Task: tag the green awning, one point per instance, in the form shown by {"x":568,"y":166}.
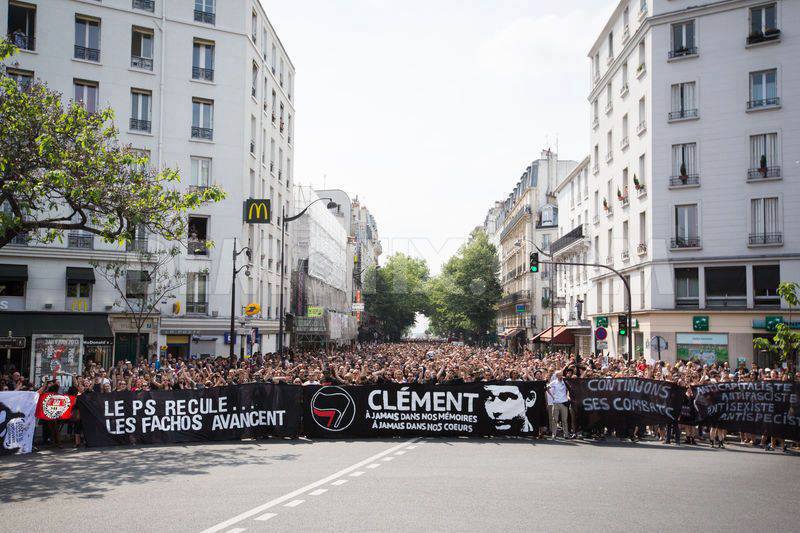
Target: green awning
{"x":80,"y":275}
{"x":13,"y":272}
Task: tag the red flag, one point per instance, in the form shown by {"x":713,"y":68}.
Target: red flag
{"x":55,"y":406}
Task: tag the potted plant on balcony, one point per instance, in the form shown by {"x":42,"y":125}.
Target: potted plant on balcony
{"x":683,"y":177}
{"x":755,"y":36}
{"x":762,"y":165}
{"x":605,"y":205}
{"x":637,"y":184}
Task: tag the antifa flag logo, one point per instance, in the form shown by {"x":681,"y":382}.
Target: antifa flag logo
{"x":333,"y":409}
{"x":55,"y":406}
{"x":12,"y":429}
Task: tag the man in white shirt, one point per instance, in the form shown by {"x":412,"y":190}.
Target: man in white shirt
{"x":558,"y":398}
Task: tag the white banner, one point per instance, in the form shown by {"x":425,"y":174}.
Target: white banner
{"x":17,"y":421}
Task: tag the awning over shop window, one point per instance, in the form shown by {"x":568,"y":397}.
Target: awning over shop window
{"x":562,"y":336}
{"x":80,"y":275}
{"x":13,"y":272}
{"x":26,"y":323}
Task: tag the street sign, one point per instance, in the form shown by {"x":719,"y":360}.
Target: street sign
{"x":252,"y":309}
{"x":772,"y":322}
{"x":358,"y":306}
{"x":521,"y":309}
{"x":700,"y":323}
{"x":600,"y":333}
{"x":16,"y":343}
{"x":601,"y":321}
{"x":314,"y":311}
{"x":601,"y":345}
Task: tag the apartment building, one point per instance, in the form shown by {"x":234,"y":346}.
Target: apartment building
{"x":528,"y":218}
{"x":204,"y":86}
{"x":693,"y":175}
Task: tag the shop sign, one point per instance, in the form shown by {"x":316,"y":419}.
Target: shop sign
{"x":700,"y":323}
{"x":601,"y":321}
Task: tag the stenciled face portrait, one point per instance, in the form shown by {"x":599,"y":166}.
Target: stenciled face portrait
{"x":507,"y":408}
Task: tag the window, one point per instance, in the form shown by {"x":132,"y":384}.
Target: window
{"x":22,"y":26}
{"x":147,"y":5}
{"x":683,"y":39}
{"x":253,"y":128}
{"x":196,"y":292}
{"x":625,"y":130}
{"x":625,"y":240}
{"x":626,"y":17}
{"x":204,"y":11}
{"x":684,"y":165}
{"x":609,"y":98}
{"x":686,"y":227}
{"x":726,"y":286}
{"x":641,"y":68}
{"x":290,"y":86}
{"x":687,"y":287}
{"x":599,"y":301}
{"x":198,"y":235}
{"x":642,"y":170}
{"x":136,"y":284}
{"x":596,"y":66}
{"x":280,"y":163}
{"x":274,"y":58}
{"x":611,"y":45}
{"x":264,"y":46}
{"x":642,"y":230}
{"x":610,"y":249}
{"x":142,"y":49}
{"x":202,"y":119}
{"x":280,"y":74}
{"x":642,"y":115}
{"x":684,"y":104}
{"x":763,"y":24}
{"x":87,"y":39}
{"x":289,"y":128}
{"x":80,"y":239}
{"x":24,"y":78}
{"x":596,"y":111}
{"x":141,"y":107}
{"x":86,"y":94}
{"x":253,"y":25}
{"x":254,"y":82}
{"x":272,"y":155}
{"x":609,"y":145}
{"x":765,"y":285}
{"x":203,"y":60}
{"x":765,"y":227}
{"x":201,"y":172}
{"x":763,"y":89}
{"x":624,"y":77}
{"x":281,"y":117}
{"x":76,"y":289}
{"x":764,"y":162}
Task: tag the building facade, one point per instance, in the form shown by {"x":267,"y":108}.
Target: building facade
{"x":203,"y":86}
{"x":693,"y":178}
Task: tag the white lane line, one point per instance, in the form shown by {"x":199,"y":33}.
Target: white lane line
{"x":401,"y":452}
{"x":236,"y":530}
{"x":410,"y":447}
{"x":293,"y":503}
{"x":340,"y":482}
{"x":318,"y":492}
{"x":374,"y":465}
{"x":277,"y":501}
{"x":357,"y":473}
{"x":266,"y":516}
{"x":388,"y":458}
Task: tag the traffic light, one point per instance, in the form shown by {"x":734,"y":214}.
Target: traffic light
{"x":534,"y":262}
{"x":622,"y":325}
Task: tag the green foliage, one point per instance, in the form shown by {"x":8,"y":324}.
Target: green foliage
{"x":463,"y":298}
{"x":63,"y":168}
{"x":786,"y":342}
{"x":395,"y":293}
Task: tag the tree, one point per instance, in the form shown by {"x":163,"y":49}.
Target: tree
{"x":395,"y":293}
{"x":463,"y":298}
{"x":62,"y":168}
{"x":143,"y":283}
{"x":786,"y":342}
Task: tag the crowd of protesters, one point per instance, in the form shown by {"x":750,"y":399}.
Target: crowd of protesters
{"x":436,"y":363}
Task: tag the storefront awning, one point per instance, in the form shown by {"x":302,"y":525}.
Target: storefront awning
{"x":562,"y":336}
{"x":13,"y":272}
{"x":508,"y":332}
{"x":80,"y":275}
{"x":25,"y":324}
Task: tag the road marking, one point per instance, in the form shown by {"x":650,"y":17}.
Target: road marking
{"x":410,"y":447}
{"x":340,"y":482}
{"x":266,"y":516}
{"x":401,"y":452}
{"x":293,"y":503}
{"x":388,"y":458}
{"x":357,"y":473}
{"x":236,"y":530}
{"x":277,"y":501}
{"x":374,"y":465}
{"x":318,"y":492}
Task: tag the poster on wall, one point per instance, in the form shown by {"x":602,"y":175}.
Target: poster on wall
{"x":59,"y":355}
{"x":706,"y":348}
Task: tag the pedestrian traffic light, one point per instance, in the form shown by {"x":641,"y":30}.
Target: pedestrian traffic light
{"x":534,"y":262}
{"x":622,"y":325}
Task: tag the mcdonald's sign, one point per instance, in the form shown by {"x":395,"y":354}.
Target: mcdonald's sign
{"x":257,"y":211}
{"x":81,"y":306}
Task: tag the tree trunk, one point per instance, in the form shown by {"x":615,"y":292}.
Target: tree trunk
{"x":138,"y":343}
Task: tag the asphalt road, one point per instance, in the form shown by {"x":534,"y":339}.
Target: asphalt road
{"x":400,"y":485}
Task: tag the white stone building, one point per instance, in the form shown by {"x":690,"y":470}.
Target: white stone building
{"x":204,"y":86}
{"x":693,"y":183}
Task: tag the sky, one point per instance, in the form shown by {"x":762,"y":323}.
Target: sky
{"x":429,"y":111}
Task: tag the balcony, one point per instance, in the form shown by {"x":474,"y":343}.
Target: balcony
{"x":756,"y":174}
{"x":140,"y":125}
{"x":641,"y":249}
{"x":595,"y":123}
{"x":626,"y":34}
{"x":609,"y":156}
{"x":202,"y":133}
{"x":87,"y":54}
{"x":772,"y":35}
{"x":595,"y":219}
{"x":136,"y":245}
{"x":641,"y":191}
{"x":144,"y":63}
{"x":640,"y":70}
{"x":624,"y":90}
{"x":682,"y":52}
{"x":626,"y":255}
{"x":572,"y":236}
{"x":641,"y":128}
{"x":609,"y":261}
{"x":624,"y":143}
{"x":689,"y":180}
{"x":197,"y":247}
{"x":206,"y":17}
{"x":204,"y":74}
{"x":80,"y":241}
{"x":763,"y":103}
{"x":252,"y":147}
{"x":624,"y":200}
{"x":682,"y":114}
{"x":200,"y":308}
{"x":609,"y":107}
{"x":726,"y":301}
{"x":765,"y":239}
{"x":22,"y":41}
{"x":595,"y":168}
{"x":147,"y":5}
{"x":679,"y":243}
{"x":514,"y":297}
{"x":513,"y":221}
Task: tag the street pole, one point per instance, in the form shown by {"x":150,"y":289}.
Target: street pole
{"x":280,"y":308}
{"x":231,"y":333}
{"x":552,"y":310}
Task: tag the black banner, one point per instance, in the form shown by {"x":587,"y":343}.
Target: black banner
{"x":769,"y":408}
{"x":625,"y":402}
{"x":220,"y":413}
{"x":393,"y":409}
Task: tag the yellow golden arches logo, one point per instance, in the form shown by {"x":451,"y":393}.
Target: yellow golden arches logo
{"x":252,"y":309}
{"x":257,"y":211}
{"x":80,"y":305}
{"x":176,"y":308}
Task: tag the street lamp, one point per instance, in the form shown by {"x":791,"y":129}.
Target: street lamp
{"x":285,"y":220}
{"x":246,"y":268}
